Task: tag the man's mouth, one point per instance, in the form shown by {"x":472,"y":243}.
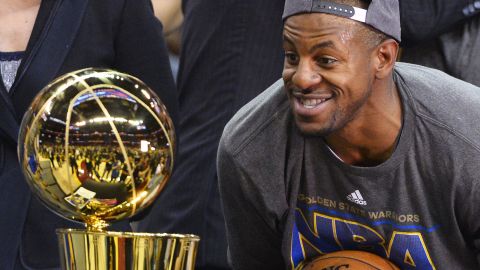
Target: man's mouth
{"x":310,"y":103}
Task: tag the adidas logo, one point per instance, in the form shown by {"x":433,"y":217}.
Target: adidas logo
{"x":357,"y":198}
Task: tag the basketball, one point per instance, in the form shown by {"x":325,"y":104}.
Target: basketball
{"x":351,"y":260}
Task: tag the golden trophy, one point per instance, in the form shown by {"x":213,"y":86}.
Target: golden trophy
{"x":97,"y":146}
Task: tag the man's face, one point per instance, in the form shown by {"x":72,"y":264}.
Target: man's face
{"x":328,"y":73}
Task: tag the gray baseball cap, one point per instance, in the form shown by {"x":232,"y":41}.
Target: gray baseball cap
{"x":383,"y":15}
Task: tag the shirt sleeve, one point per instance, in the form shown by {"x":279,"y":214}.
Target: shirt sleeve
{"x":475,"y":215}
{"x":468,"y":196}
{"x":423,"y":20}
{"x":252,"y":243}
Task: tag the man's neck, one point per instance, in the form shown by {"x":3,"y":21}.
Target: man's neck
{"x":371,"y":139}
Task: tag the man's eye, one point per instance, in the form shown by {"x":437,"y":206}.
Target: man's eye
{"x":291,"y":58}
{"x":326,"y":60}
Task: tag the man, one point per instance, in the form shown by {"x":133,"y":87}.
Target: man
{"x":352,"y":151}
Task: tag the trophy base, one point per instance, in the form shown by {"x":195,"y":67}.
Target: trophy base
{"x":85,"y":250}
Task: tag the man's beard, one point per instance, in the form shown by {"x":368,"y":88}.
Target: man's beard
{"x":338,"y":121}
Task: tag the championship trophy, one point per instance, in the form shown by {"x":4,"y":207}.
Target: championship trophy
{"x":96,"y":146}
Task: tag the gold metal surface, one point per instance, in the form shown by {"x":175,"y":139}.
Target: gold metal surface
{"x":122,"y":251}
{"x":96,"y":146}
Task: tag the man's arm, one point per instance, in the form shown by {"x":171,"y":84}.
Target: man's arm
{"x":475,"y":217}
{"x":468,"y":205}
{"x":426,"y":19}
{"x":252,"y":243}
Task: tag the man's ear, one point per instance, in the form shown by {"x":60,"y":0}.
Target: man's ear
{"x":385,"y":56}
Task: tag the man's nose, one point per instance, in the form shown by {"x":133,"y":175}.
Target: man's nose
{"x":305,"y":77}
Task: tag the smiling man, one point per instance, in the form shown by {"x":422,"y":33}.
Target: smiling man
{"x":352,"y":151}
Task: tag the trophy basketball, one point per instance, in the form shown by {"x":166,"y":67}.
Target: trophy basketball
{"x":96,"y":146}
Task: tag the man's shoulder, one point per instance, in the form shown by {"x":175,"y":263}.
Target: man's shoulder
{"x":436,"y":91}
{"x":440,"y":100}
{"x":432,"y":81}
{"x":265,"y":112}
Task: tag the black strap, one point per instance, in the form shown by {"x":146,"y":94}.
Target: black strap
{"x":333,"y":8}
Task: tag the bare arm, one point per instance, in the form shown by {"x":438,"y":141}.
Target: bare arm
{"x":169,"y":12}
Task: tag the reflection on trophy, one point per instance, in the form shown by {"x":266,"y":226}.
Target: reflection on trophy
{"x":96,"y":146}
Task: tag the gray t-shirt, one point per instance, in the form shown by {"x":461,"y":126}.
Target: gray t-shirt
{"x":288,"y":199}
